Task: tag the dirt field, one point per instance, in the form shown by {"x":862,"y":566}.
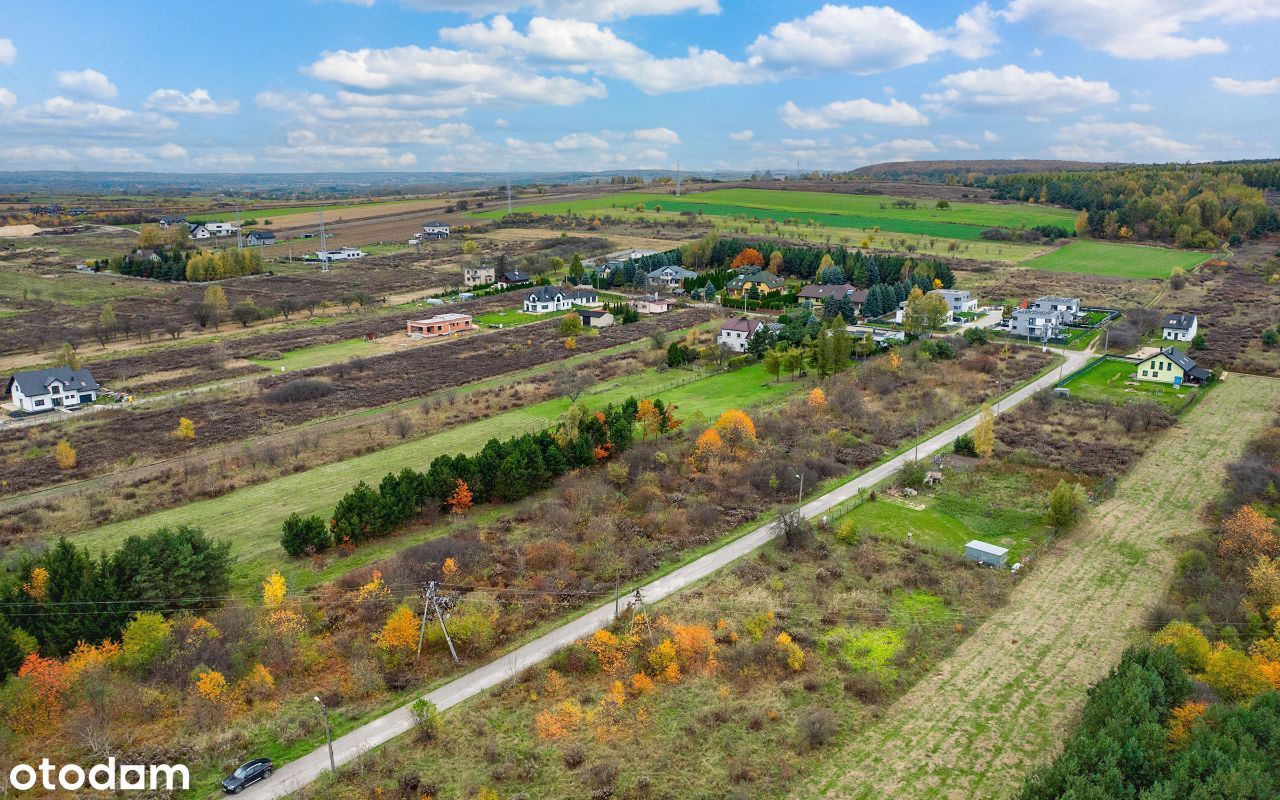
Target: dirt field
{"x":1005,"y":699}
{"x":996,"y":284}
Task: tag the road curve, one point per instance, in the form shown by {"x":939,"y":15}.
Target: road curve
{"x":297,"y":774}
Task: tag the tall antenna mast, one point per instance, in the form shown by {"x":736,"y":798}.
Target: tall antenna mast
{"x":677,"y":179}
{"x":324,"y":248}
{"x":239,"y":232}
{"x":508,"y":192}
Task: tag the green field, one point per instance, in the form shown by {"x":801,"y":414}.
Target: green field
{"x":1119,"y":260}
{"x":964,"y":221}
{"x":511,"y":317}
{"x":321,"y":354}
{"x":251,"y":517}
{"x":1109,"y":381}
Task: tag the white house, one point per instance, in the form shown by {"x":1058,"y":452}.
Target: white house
{"x":47,"y":389}
{"x":199,"y":231}
{"x":167,"y":221}
{"x":221,"y":228}
{"x":669,"y":277}
{"x":652,"y":305}
{"x":260,"y":238}
{"x":435,"y":230}
{"x":1180,"y":327}
{"x":545,"y":299}
{"x":1067,"y":307}
{"x":958,"y":300}
{"x":1036,"y":324}
{"x":735,"y":334}
{"x":345,"y":254}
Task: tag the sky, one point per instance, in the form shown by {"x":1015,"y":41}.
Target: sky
{"x":495,"y":85}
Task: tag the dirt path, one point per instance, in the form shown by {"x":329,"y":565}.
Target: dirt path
{"x":1006,"y":698}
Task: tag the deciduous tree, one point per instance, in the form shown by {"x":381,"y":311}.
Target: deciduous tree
{"x":64,"y":455}
{"x":186,"y":430}
{"x":460,"y":500}
{"x":984,"y":436}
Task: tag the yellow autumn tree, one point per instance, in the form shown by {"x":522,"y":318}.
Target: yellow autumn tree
{"x":817,"y":397}
{"x":1182,"y":718}
{"x":37,"y":587}
{"x":64,"y":455}
{"x":736,"y":429}
{"x":273,"y":590}
{"x":895,"y":362}
{"x":211,"y":685}
{"x":398,"y":638}
{"x":259,"y":682}
{"x":449,"y":569}
{"x":1235,"y":676}
{"x":984,"y":436}
{"x":707,"y":446}
{"x":186,"y":430}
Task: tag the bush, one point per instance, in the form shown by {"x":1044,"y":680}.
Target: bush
{"x":963,"y":446}
{"x":816,"y":727}
{"x":298,"y":391}
{"x":912,"y":474}
{"x":305,"y":535}
{"x":427,"y":722}
{"x":270,"y":355}
{"x":797,"y":532}
{"x":939,"y":349}
{"x":848,"y":533}
{"x":977,"y":336}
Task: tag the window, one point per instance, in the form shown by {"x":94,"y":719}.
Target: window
{"x":1144,"y":373}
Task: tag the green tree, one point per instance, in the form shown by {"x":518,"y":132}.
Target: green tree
{"x":570,"y":324}
{"x":792,"y":360}
{"x":11,"y":654}
{"x":143,"y":640}
{"x":1067,"y":502}
{"x":67,"y":357}
{"x":301,"y":535}
{"x":575,"y":267}
{"x":773,"y":363}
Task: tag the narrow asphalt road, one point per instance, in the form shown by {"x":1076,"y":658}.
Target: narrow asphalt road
{"x":297,"y":774}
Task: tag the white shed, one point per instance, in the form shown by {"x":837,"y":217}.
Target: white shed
{"x":985,"y":553}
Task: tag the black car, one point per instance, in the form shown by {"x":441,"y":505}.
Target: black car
{"x":247,"y":774}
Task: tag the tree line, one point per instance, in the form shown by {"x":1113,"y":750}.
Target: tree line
{"x":66,"y":596}
{"x":502,"y":471}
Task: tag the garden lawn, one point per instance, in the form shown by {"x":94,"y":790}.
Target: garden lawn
{"x":1110,"y":381}
{"x":1118,"y":260}
{"x":250,"y":518}
{"x":515,"y":316}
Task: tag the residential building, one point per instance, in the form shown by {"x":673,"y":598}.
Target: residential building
{"x":652,"y":305}
{"x":260,"y":238}
{"x":147,"y":254}
{"x":197,"y":230}
{"x":221,"y":228}
{"x":584,"y":297}
{"x":1067,"y":307}
{"x":670,"y":277}
{"x":735,"y":334}
{"x":435,"y":230}
{"x":1180,"y":327}
{"x":1171,"y":366}
{"x":958,"y":300}
{"x":511,"y":278}
{"x":546,"y":298}
{"x":479,"y":276}
{"x":171,"y":220}
{"x":901,"y":313}
{"x":763,"y":281}
{"x":47,"y":389}
{"x":595,"y":318}
{"x":1036,"y":324}
{"x":439,"y":325}
{"x":815,"y":294}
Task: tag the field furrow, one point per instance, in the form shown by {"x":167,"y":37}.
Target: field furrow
{"x":1005,"y":699}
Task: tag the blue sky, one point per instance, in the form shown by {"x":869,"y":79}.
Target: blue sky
{"x":428,"y":85}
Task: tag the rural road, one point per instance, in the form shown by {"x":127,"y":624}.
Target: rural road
{"x":297,"y":774}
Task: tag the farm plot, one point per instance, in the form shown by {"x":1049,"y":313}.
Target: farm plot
{"x":1120,"y":260}
{"x":1000,"y":703}
{"x":250,"y":518}
{"x":996,"y":284}
{"x":147,"y":434}
{"x":290,"y":215}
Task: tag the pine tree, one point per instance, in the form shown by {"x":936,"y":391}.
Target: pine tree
{"x":11,"y":654}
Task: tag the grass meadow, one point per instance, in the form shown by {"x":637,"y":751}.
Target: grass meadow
{"x":1118,"y":260}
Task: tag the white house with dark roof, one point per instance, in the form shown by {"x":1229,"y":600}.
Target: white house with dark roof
{"x":546,"y":298}
{"x":260,"y":238}
{"x":668,"y":277}
{"x":1180,"y":327}
{"x":735,"y":334}
{"x":47,"y":389}
{"x":1067,"y":307}
{"x":435,"y":230}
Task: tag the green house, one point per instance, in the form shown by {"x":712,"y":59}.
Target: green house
{"x":1170,"y":366}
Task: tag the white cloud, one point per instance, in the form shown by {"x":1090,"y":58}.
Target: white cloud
{"x":832,"y":115}
{"x":36,"y":154}
{"x":197,"y":101}
{"x":449,"y":77}
{"x":656,"y":135}
{"x":8,"y":53}
{"x":7,"y":98}
{"x":123,"y":156}
{"x":1141,"y":108}
{"x":1140,"y":29}
{"x":224,"y":160}
{"x":1113,"y":141}
{"x":172,"y":151}
{"x":1012,"y":87}
{"x":1247,"y":88}
{"x":1036,"y":119}
{"x":1035,"y":52}
{"x":86,"y":82}
{"x":991,"y":136}
{"x":64,"y":113}
{"x":869,"y":39}
{"x":587,"y":47}
{"x":501,"y":123}
{"x":322,"y":155}
{"x":581,"y":141}
{"x":742,"y":136}
{"x":577,"y":9}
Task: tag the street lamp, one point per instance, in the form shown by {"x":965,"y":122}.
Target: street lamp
{"x":800,"y":497}
{"x":328,"y":734}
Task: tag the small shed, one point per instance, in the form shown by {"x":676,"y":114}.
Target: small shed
{"x":985,"y":553}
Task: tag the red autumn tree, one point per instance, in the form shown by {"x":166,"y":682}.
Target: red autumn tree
{"x":460,"y":500}
{"x":748,"y":258}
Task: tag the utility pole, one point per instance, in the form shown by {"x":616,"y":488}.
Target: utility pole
{"x":677,"y":179}
{"x":637,"y":601}
{"x":800,"y":496}
{"x":328,"y":734}
{"x":617,"y":591}
{"x":433,"y":601}
{"x":324,"y":248}
{"x":239,"y":229}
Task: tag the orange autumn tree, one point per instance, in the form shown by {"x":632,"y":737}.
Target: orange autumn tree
{"x":1247,"y":535}
{"x":736,"y":429}
{"x":460,"y":500}
{"x":750,"y":257}
{"x":708,"y":446}
{"x":1182,"y":718}
{"x":211,"y":685}
{"x":651,"y":420}
{"x":36,"y":703}
{"x":817,"y":398}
